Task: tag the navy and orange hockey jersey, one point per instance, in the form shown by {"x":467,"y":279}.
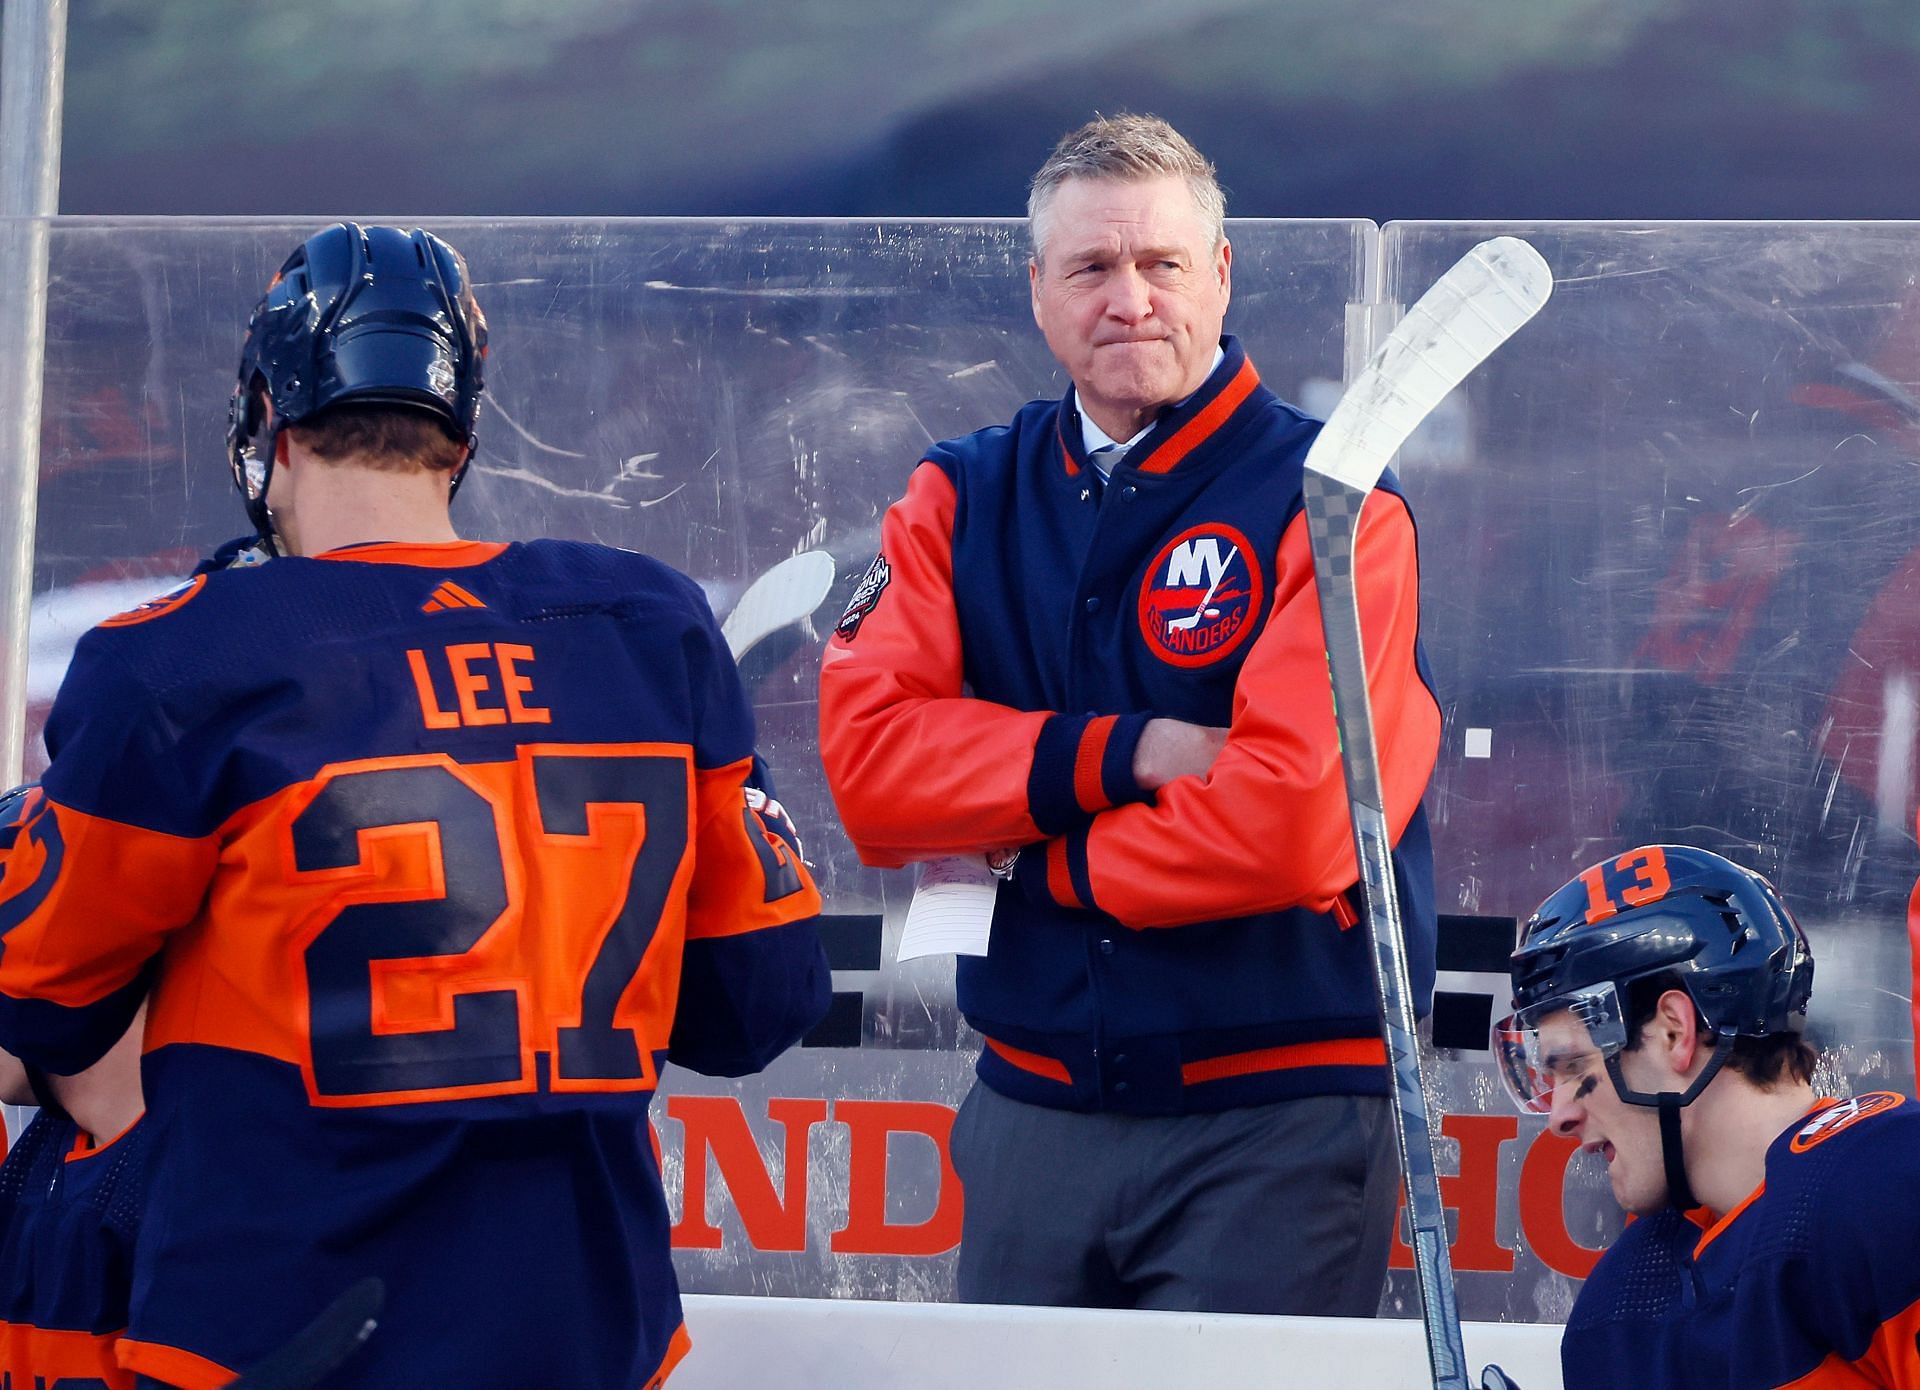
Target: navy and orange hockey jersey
{"x":430,"y":855}
{"x":69,"y":1214}
{"x":1812,"y":1282}
{"x":1187,"y":951}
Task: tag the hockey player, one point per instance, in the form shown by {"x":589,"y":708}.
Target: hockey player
{"x":1659,"y":1001}
{"x":430,"y":851}
{"x":70,"y":1205}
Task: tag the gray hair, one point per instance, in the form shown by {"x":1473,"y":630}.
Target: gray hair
{"x":1128,"y":148}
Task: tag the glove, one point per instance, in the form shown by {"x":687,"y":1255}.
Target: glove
{"x":1493,"y":1378}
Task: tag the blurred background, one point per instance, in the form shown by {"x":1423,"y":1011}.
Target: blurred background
{"x":1311,"y":108}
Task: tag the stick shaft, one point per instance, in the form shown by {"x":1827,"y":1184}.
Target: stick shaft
{"x":1333,"y":515}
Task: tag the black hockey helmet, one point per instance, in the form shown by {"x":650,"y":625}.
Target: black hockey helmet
{"x":1722,"y":930}
{"x":363,"y":314}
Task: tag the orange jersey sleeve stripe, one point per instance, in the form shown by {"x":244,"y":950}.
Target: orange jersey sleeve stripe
{"x":677,"y":1350}
{"x":731,"y":894}
{"x":1891,"y":1362}
{"x":1196,"y":430}
{"x":1049,"y":1067}
{"x":43,"y":1356}
{"x":1345,"y":1052}
{"x":89,"y":934}
{"x":1088,"y":788}
{"x":173,"y":1365}
{"x":916,"y":770}
{"x":1893,"y":1357}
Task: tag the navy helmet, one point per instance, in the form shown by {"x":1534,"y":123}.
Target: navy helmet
{"x":1720,"y":930}
{"x":363,"y":314}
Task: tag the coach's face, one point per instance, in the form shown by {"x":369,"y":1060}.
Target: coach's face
{"x":1130,"y":293}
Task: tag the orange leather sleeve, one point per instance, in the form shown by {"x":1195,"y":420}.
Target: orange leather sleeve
{"x":1913,"y":959}
{"x":919,"y":769}
{"x":1268,"y":827}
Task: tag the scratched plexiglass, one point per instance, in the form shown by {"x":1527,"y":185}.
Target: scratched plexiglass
{"x":1667,"y":577}
{"x":1671,"y":534}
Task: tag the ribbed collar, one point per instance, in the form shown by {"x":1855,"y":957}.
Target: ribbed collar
{"x":1183,"y":429}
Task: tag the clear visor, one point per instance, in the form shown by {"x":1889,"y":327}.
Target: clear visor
{"x":1561,"y":1042}
{"x":249,"y":443}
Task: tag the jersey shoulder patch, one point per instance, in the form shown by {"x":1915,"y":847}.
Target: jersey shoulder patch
{"x":160,"y":606}
{"x":1831,"y":1120}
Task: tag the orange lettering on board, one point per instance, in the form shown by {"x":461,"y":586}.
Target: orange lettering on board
{"x":868,"y":1231}
{"x":1543,"y":1210}
{"x":717,"y":1125}
{"x":1473,"y":1192}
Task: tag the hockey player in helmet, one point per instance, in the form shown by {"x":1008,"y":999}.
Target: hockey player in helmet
{"x":333,"y":347}
{"x":1660,"y":1001}
{"x":431,"y":852}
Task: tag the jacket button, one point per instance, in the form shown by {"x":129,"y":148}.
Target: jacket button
{"x":1106,"y":945}
{"x":1120,"y":1061}
{"x":1093,"y":604}
{"x":1129,"y":492}
{"x":1121,"y":1086}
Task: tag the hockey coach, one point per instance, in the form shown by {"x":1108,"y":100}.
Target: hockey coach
{"x":1089,"y":650}
{"x":431,"y":852}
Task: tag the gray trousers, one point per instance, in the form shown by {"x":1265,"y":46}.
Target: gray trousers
{"x":1282,"y":1208}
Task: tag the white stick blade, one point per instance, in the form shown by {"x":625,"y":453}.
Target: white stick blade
{"x":788,"y":592}
{"x":1472,"y":309}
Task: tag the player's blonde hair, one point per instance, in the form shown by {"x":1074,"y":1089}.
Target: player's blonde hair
{"x":1126,"y":147}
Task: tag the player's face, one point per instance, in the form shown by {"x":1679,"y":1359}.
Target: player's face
{"x":1588,"y":1109}
{"x":1130,"y":294}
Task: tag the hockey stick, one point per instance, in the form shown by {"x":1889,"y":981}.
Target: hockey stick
{"x":323,"y":1344}
{"x":1476,"y":306}
{"x":785,"y":594}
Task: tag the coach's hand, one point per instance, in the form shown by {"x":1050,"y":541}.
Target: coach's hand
{"x":1171,"y":748}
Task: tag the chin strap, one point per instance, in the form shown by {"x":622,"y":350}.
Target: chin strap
{"x":1669,"y":1104}
{"x":1679,"y":1190}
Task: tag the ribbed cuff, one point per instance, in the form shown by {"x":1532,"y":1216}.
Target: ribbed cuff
{"x":1082,"y":764}
{"x":1055,"y":872}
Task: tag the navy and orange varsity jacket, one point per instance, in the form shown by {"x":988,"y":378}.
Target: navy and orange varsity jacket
{"x":430,"y":856}
{"x":1187,"y":951}
{"x":1811,"y":1283}
{"x":70,"y":1211}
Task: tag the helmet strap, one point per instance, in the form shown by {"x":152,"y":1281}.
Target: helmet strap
{"x":1670,"y":1104}
{"x":1679,"y":1190}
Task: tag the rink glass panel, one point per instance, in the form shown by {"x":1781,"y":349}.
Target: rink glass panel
{"x":1628,"y":585}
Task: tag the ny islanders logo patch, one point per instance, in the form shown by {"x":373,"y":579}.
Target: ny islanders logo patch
{"x":1830,"y":1121}
{"x":1201,"y":596}
{"x":158,"y":607}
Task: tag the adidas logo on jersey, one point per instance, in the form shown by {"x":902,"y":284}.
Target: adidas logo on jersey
{"x":450,"y":595}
